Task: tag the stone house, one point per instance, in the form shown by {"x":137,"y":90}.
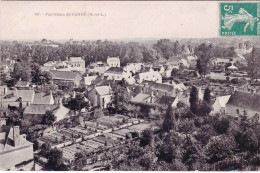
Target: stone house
{"x":244,"y":103}
{"x":100,"y":96}
{"x":65,"y":78}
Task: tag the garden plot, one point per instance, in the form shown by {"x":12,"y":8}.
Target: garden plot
{"x":70,"y":151}
{"x":92,"y":144}
{"x":106,"y":140}
{"x":112,"y":120}
{"x":115,"y":136}
{"x":54,"y":138}
{"x":122,"y":132}
{"x":82,"y":131}
{"x":139,"y":128}
{"x":95,"y":125}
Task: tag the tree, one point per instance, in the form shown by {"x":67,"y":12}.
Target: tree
{"x":21,"y":71}
{"x":169,"y":120}
{"x":77,"y":103}
{"x":48,"y":118}
{"x":253,"y":61}
{"x":220,"y":148}
{"x":55,"y":161}
{"x":205,"y":53}
{"x":194,"y":100}
{"x":147,"y":138}
{"x":45,"y":149}
{"x":80,"y":161}
{"x":207,"y":95}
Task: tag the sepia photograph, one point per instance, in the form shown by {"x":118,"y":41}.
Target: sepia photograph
{"x":129,"y":86}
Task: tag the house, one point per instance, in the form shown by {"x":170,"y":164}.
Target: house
{"x":243,"y":103}
{"x":117,"y":73}
{"x":159,"y":89}
{"x":159,"y":68}
{"x":98,"y":67}
{"x":113,"y":61}
{"x":22,"y":84}
{"x":133,"y":67}
{"x":219,"y":105}
{"x":16,"y":153}
{"x":15,"y":97}
{"x":100,"y":96}
{"x":76,"y":62}
{"x":65,"y":78}
{"x":34,"y":112}
{"x":41,"y":102}
{"x":153,"y":100}
{"x":149,"y":76}
{"x":177,"y":61}
{"x":165,"y":101}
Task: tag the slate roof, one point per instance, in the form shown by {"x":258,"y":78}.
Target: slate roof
{"x":42,"y":98}
{"x":38,"y":109}
{"x":141,"y":97}
{"x":118,"y":70}
{"x":166,"y":100}
{"x":26,"y":95}
{"x":65,"y":75}
{"x":245,"y":100}
{"x":158,"y":86}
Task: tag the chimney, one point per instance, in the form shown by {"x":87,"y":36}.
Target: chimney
{"x":74,"y":94}
{"x":16,"y":136}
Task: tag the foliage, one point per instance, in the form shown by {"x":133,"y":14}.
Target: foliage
{"x":253,"y":61}
{"x":205,"y":53}
{"x":147,"y":138}
{"x":194,"y":100}
{"x":55,"y":161}
{"x":77,"y":103}
{"x":169,"y":120}
{"x":48,"y":118}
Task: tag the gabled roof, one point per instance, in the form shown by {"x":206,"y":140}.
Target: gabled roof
{"x":13,"y":95}
{"x":158,"y":86}
{"x":42,"y":98}
{"x":89,"y":79}
{"x":166,"y":100}
{"x":245,"y":100}
{"x":64,"y":75}
{"x":141,"y":97}
{"x":118,"y":70}
{"x":223,"y":100}
{"x":103,"y":90}
{"x":22,"y":84}
{"x":38,"y":109}
{"x":76,"y":59}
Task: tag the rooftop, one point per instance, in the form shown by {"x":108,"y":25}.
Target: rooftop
{"x":245,"y":100}
{"x":65,"y":75}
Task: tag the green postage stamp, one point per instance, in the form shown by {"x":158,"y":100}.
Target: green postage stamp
{"x":239,"y":19}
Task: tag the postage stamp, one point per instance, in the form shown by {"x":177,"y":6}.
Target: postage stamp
{"x":239,"y":19}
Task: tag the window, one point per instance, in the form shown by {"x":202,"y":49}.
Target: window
{"x":237,"y":111}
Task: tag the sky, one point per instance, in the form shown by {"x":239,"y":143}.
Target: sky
{"x":122,"y":20}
